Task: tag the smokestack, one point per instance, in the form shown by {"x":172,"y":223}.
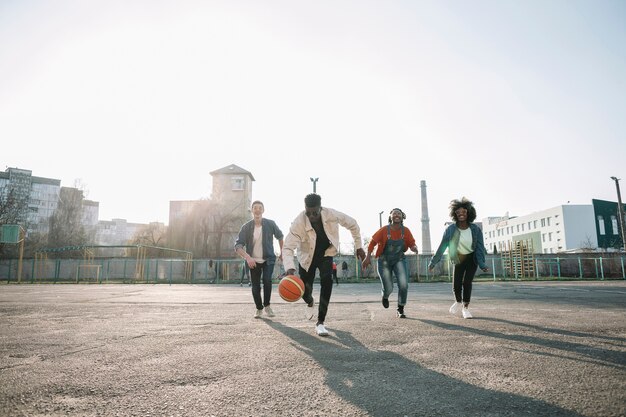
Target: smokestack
{"x":426,"y":249}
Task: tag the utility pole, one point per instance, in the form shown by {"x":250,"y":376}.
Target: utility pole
{"x":314,"y":181}
{"x":620,"y":210}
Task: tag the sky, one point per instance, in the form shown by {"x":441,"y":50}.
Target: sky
{"x":518,"y":105}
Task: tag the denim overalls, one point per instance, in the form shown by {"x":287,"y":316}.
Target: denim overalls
{"x":392,"y":261}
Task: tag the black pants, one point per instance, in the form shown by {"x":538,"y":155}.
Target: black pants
{"x":262,"y":272}
{"x":325,"y":266}
{"x":463,"y":276}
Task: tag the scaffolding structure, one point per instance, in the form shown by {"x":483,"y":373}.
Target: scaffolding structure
{"x":518,"y":259}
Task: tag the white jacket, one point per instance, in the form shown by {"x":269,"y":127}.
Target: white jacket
{"x":302,"y":236}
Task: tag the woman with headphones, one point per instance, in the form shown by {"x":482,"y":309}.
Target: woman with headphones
{"x":393,"y":241}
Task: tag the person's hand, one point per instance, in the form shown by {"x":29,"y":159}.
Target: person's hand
{"x":431,"y":268}
{"x":360,"y":253}
{"x":485,"y":269}
{"x":290,"y":272}
{"x":251,"y":263}
{"x":366,"y":262}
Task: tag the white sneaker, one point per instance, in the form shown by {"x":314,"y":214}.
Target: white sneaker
{"x":321,"y":330}
{"x":269,"y":312}
{"x":455,"y":308}
{"x":257,"y":314}
{"x":310,"y":311}
{"x":467,"y":314}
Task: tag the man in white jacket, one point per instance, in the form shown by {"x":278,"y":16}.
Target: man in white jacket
{"x":315,"y":233}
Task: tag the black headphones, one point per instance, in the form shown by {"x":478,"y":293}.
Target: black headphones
{"x":400,"y":210}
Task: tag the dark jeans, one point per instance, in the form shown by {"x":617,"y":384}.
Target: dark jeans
{"x":262,"y":270}
{"x":463,"y":277}
{"x":325,"y":266}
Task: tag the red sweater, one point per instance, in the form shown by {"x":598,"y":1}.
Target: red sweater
{"x":380,"y":239}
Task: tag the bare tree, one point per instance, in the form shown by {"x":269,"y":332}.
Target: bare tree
{"x":13,"y":210}
{"x":66,"y":226}
{"x":587,"y":244}
{"x":152,"y":234}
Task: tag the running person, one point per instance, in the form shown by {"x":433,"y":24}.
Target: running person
{"x":315,"y":233}
{"x":464,"y":241}
{"x":392,"y":241}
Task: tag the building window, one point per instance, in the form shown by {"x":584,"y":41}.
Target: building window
{"x":550,"y":237}
{"x":522,"y":227}
{"x":543,"y":237}
{"x":614,"y":225}
{"x":517,"y":228}
{"x":534,"y":224}
{"x":543,"y":222}
{"x":548,"y":220}
{"x":237,"y":183}
{"x":601,"y":225}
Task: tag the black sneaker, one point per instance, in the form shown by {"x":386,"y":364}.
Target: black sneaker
{"x":400,"y":312}
{"x":385,"y":302}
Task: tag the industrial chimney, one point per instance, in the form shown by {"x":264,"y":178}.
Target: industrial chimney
{"x":425,"y":249}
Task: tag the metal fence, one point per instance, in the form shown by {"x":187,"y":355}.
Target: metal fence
{"x":211,"y":271}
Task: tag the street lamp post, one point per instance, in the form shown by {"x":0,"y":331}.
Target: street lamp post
{"x":314,"y":181}
{"x":620,"y":210}
{"x":380,"y":218}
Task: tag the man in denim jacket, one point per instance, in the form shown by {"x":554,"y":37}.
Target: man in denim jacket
{"x":256,"y":236}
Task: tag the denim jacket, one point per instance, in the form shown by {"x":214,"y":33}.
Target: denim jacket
{"x":450,"y":241}
{"x":270,"y":229}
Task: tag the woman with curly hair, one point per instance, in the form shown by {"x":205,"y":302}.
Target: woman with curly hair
{"x":464,"y":241}
{"x":393,"y":241}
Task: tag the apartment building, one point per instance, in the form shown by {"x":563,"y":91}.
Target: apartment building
{"x":557,"y":229}
{"x":40,"y":195}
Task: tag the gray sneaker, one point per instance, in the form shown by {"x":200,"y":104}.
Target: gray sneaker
{"x":257,"y":314}
{"x":269,"y":312}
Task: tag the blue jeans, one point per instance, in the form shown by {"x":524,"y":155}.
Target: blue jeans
{"x":264,"y":270}
{"x":386,"y":272}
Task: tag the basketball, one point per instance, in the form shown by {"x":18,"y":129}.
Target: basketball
{"x":291,"y":288}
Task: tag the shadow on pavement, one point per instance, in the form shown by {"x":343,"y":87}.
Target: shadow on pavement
{"x":384,"y":383}
{"x":599,"y":356}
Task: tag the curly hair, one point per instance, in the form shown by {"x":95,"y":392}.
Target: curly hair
{"x":462,"y":203}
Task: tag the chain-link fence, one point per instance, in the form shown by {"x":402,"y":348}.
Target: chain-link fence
{"x":213,"y":271}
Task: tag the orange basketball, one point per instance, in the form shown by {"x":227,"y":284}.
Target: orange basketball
{"x":291,"y":288}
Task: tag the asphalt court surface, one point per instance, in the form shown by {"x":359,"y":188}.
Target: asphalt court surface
{"x":533,"y":349}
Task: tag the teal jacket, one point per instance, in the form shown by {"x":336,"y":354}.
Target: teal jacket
{"x":450,"y":241}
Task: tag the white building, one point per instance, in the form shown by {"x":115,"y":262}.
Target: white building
{"x":558,"y":229}
{"x":116,"y":232}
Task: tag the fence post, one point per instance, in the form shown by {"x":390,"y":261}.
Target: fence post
{"x":623,"y":272}
{"x":493,"y":268}
{"x":602,"y":268}
{"x":580,"y":268}
{"x":536,"y":268}
{"x":558,"y":266}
